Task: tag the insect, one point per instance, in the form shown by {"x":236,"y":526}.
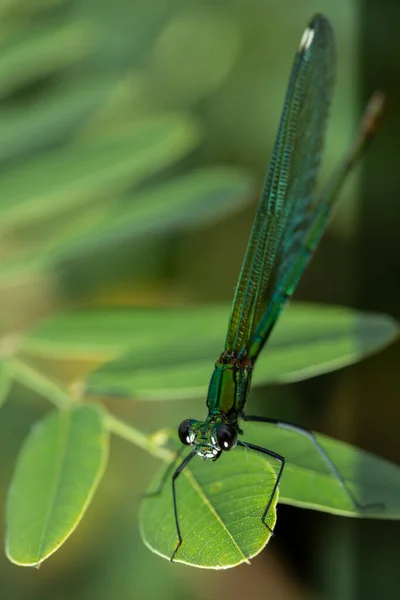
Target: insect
{"x":289,"y":222}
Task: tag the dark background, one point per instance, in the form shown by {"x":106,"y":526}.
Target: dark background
{"x":312,"y":555}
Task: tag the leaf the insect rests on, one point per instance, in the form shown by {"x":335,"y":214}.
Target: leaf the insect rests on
{"x":220,"y":509}
{"x":220,"y":504}
{"x":57,"y":473}
{"x":307,"y":481}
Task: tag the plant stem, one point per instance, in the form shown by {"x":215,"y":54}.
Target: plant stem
{"x":57,"y":395}
{"x":129,"y":433}
{"x":40,"y":383}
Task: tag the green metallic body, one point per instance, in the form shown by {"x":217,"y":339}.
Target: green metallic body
{"x":229,"y":388}
{"x":227,"y":395}
{"x":289,"y":223}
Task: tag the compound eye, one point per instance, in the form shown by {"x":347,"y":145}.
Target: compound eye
{"x":226,"y":437}
{"x":184,"y":433}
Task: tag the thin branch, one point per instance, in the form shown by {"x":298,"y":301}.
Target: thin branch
{"x":57,"y":395}
{"x":130,"y":434}
{"x":38,"y":382}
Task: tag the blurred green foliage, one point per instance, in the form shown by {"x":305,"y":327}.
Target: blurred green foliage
{"x":112,"y":115}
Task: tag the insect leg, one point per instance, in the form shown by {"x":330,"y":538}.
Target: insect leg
{"x":322,"y":452}
{"x":281,"y":460}
{"x":165,"y":476}
{"x":178,"y":471}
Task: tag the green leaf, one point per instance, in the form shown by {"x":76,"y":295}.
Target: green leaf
{"x":309,"y":340}
{"x":220,"y":506}
{"x":57,"y":182}
{"x":41,"y":51}
{"x":20,"y":9}
{"x":57,"y":114}
{"x":57,"y":473}
{"x":308,"y":483}
{"x":102,"y":334}
{"x":5,"y":382}
{"x":194,"y":54}
{"x":193,"y":199}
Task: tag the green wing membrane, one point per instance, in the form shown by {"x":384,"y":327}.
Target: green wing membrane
{"x":287,"y":212}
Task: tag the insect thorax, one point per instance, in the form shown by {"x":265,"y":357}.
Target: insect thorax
{"x":229,"y":386}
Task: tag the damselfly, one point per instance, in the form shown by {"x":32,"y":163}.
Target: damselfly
{"x":288,"y":226}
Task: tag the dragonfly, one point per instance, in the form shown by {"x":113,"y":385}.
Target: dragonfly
{"x":289,"y":222}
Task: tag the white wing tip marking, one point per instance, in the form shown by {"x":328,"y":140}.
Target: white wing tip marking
{"x":306,"y":39}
